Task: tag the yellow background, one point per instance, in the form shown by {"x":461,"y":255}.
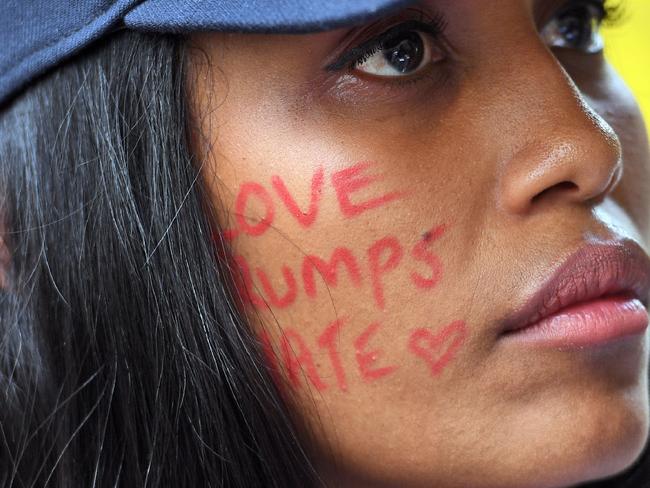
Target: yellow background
{"x":627,"y":46}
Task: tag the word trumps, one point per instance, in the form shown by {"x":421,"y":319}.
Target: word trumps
{"x":382,"y":258}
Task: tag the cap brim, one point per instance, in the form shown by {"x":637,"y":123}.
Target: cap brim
{"x":263,"y":16}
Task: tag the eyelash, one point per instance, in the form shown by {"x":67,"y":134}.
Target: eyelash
{"x":434,"y":26}
{"x":612,"y":13}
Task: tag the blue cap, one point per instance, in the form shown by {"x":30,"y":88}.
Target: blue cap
{"x":37,"y":35}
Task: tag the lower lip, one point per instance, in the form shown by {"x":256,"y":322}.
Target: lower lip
{"x":591,"y":323}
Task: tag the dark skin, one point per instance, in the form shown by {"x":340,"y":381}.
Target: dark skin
{"x":524,"y":150}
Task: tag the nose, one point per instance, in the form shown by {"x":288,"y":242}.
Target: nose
{"x":566,"y":153}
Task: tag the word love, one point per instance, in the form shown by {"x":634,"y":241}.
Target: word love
{"x":435,"y":349}
{"x":350,"y":186}
{"x":382,"y":257}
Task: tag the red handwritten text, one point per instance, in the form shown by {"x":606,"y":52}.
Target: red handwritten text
{"x":436,"y":348}
{"x":347,"y":183}
{"x":383,"y":257}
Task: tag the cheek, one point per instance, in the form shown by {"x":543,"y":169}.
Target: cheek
{"x":617,"y":105}
{"x":348,"y":288}
{"x":633,"y":191}
{"x":352,"y":248}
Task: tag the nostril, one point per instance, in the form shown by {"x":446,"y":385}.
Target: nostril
{"x":561,"y":187}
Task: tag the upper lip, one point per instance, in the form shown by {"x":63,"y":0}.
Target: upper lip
{"x":593,"y":271}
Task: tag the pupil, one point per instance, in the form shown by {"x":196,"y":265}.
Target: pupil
{"x":404,"y":53}
{"x":575,"y":26}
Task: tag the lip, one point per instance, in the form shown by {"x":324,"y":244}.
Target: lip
{"x":597,"y":295}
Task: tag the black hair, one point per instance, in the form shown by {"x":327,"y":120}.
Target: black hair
{"x":124,"y":357}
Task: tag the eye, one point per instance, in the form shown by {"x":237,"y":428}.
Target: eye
{"x":403,"y":54}
{"x":577,"y":27}
{"x":403,"y":50}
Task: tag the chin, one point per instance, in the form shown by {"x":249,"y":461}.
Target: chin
{"x":591,"y":439}
{"x":616,"y":441}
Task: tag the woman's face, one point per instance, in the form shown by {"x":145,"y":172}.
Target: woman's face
{"x":394,"y":194}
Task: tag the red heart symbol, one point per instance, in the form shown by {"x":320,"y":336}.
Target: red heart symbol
{"x":438,"y":349}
